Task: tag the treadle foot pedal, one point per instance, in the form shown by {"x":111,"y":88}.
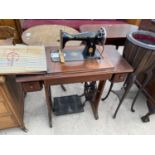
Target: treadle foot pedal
{"x":67,"y":105}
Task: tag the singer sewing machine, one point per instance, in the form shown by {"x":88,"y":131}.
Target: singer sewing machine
{"x":89,"y":39}
{"x":73,"y":103}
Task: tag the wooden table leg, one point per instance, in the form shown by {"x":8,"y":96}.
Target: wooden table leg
{"x":97,"y":98}
{"x":22,"y":124}
{"x":48,"y":101}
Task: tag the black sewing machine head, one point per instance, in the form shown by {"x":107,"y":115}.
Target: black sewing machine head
{"x":90,"y":40}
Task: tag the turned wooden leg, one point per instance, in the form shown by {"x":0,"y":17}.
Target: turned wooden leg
{"x":49,"y":102}
{"x":21,"y":122}
{"x":97,"y":98}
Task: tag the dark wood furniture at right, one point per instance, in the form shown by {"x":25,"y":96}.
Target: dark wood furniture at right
{"x":116,"y":34}
{"x":149,"y":25}
{"x":141,"y":56}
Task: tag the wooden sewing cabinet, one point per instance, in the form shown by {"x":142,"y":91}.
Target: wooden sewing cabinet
{"x":11,"y":103}
{"x":76,"y":72}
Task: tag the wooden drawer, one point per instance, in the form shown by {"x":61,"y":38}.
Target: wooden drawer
{"x":118,"y":77}
{"x":7,"y":122}
{"x":31,"y":86}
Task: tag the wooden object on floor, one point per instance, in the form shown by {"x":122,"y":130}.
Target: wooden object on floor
{"x":11,"y":103}
{"x":47,"y":35}
{"x":116,"y":34}
{"x":14,"y":23}
{"x":80,"y":71}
